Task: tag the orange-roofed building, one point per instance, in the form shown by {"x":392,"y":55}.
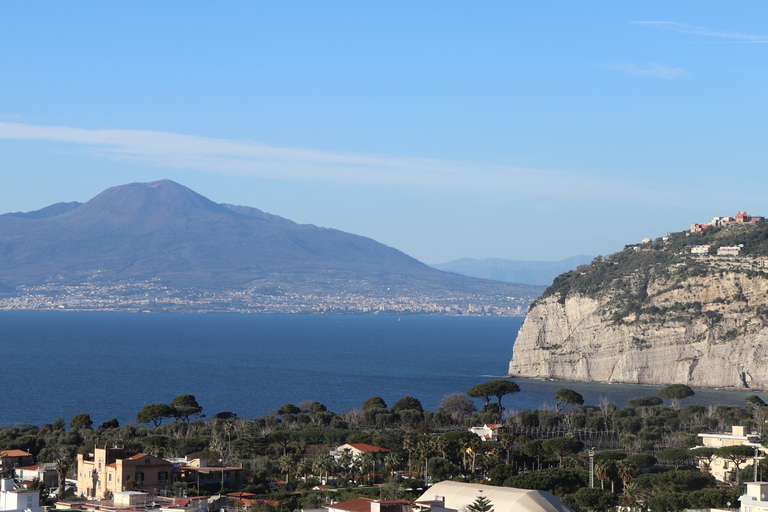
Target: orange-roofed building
{"x":15,"y":458}
{"x":109,"y":470}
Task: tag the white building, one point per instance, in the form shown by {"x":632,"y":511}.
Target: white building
{"x":756,"y":498}
{"x":457,"y":495}
{"x":18,"y":500}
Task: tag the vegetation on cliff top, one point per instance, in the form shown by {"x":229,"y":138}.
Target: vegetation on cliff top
{"x":627,"y":273}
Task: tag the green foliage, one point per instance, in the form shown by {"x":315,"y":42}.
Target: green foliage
{"x":288,"y":409}
{"x":154,"y":413}
{"x":481,"y":504}
{"x":407,"y":403}
{"x":562,"y":446}
{"x":497,"y":388}
{"x":674,"y":456}
{"x":645,"y":401}
{"x":374,"y":402}
{"x":566,"y":397}
{"x":185,"y":406}
{"x":599,"y":500}
{"x":81,"y":421}
{"x":676,"y":392}
{"x":558,"y":481}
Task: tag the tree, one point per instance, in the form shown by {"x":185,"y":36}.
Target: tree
{"x":62,"y":468}
{"x":500,"y":388}
{"x":755,"y":401}
{"x":288,"y":409}
{"x":738,"y":454}
{"x":566,"y":397}
{"x":598,"y":500}
{"x":674,"y":456}
{"x":705,"y":454}
{"x":312,"y":407}
{"x":81,"y":421}
{"x":155,"y":413}
{"x":562,"y":446}
{"x":458,"y":404}
{"x":110,"y":423}
{"x":185,"y":406}
{"x":375,"y":402}
{"x":676,"y":392}
{"x":481,"y":504}
{"x":407,"y":403}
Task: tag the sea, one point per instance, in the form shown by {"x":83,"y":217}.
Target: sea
{"x":110,"y":365}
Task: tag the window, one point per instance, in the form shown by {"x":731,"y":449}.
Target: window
{"x":109,"y":477}
{"x":140,"y":478}
{"x":99,"y":464}
{"x":162,"y":476}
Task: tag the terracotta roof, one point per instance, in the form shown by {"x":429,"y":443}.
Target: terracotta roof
{"x":354,"y":505}
{"x":29,"y":468}
{"x":363,"y":447}
{"x":15,"y":453}
{"x":137,"y":456}
{"x":241,"y":494}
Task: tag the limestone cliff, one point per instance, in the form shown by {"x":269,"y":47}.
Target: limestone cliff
{"x":656,"y":314}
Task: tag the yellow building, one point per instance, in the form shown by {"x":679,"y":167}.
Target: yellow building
{"x":723,"y":469}
{"x":109,"y":470}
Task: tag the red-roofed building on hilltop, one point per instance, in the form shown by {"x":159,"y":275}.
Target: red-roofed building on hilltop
{"x":109,"y":470}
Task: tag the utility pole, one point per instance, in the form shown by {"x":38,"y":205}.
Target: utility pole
{"x":592,"y":467}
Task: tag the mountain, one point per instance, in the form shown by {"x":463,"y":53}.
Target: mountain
{"x":513,"y":271}
{"x":163,"y":234}
{"x":687,"y":308}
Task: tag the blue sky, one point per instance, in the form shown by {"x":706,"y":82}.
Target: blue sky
{"x":518,"y":130}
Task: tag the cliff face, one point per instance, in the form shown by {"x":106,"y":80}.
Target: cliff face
{"x":658,"y":324}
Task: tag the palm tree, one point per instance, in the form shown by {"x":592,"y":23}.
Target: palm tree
{"x":602,"y":472}
{"x":391,"y":463}
{"x":286,"y":463}
{"x":507,"y":443}
{"x":368,"y":461}
{"x":633,"y":493}
{"x":409,"y":444}
{"x":426,"y":447}
{"x":626,"y":472}
{"x":62,"y":468}
{"x":303,"y":467}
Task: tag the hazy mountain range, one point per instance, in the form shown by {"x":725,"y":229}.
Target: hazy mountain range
{"x":514,"y":271}
{"x":165,"y":233}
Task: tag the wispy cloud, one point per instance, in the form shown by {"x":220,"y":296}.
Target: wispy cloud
{"x":683,"y":28}
{"x":171,"y":150}
{"x":651,"y":70}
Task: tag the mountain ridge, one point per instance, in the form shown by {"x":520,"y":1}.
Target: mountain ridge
{"x":165,"y":232}
{"x":513,"y":271}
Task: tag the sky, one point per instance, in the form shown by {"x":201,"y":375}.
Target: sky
{"x":446,"y":129}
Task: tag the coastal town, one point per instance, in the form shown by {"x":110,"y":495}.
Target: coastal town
{"x":153,"y":296}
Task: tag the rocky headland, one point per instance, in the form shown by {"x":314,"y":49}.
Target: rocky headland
{"x":687,"y":308}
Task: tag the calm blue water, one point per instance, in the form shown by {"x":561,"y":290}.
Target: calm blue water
{"x":58,"y":364}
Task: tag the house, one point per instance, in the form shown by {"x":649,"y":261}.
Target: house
{"x":18,"y":500}
{"x":489,"y":431}
{"x":455,"y":496}
{"x":700,"y":249}
{"x":756,"y":498}
{"x":10,"y":459}
{"x":729,"y":251}
{"x":46,"y":473}
{"x":357,"y":450}
{"x":109,"y":470}
{"x":207,"y":478}
{"x":723,"y":469}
